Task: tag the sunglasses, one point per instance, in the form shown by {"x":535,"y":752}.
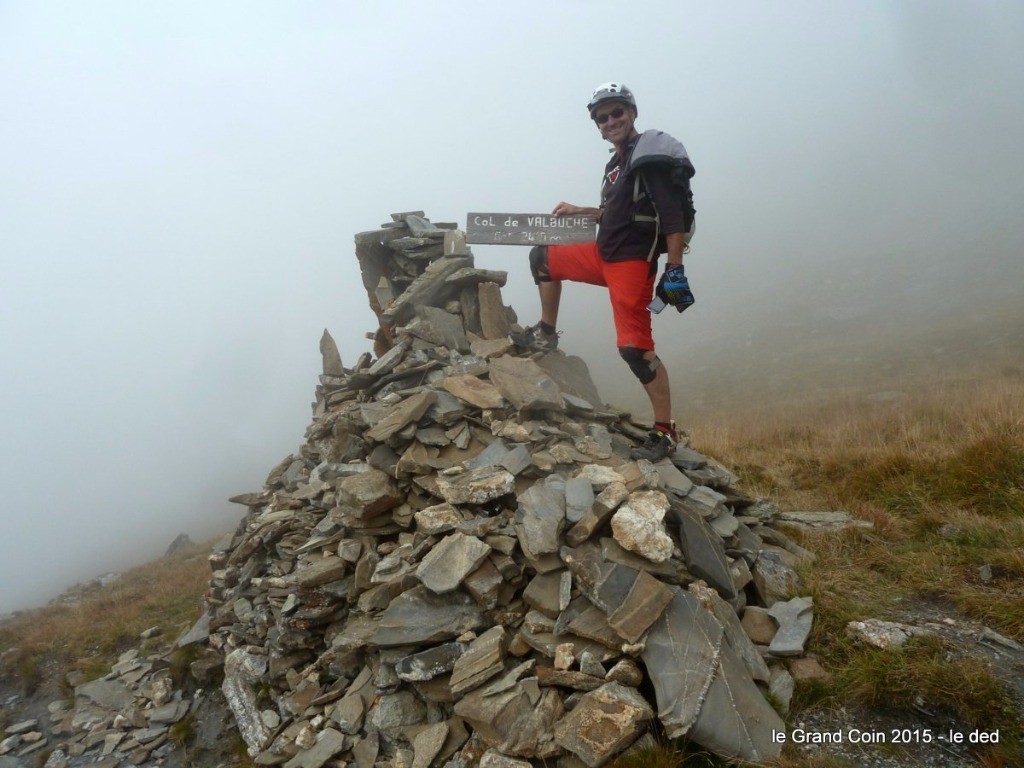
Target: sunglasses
{"x":616,"y":113}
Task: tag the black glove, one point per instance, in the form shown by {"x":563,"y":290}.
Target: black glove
{"x":673,"y":287}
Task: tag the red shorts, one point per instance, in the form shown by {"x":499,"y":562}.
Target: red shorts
{"x":630,"y":287}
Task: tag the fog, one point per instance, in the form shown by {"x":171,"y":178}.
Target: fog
{"x":181,"y":184}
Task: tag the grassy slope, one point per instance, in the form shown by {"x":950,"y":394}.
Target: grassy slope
{"x":941,"y":476}
{"x":38,"y":648}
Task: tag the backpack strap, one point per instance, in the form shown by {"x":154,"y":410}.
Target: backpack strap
{"x":640,"y":191}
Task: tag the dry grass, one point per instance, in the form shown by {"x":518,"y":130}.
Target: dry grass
{"x":940,"y":473}
{"x":88,"y":636}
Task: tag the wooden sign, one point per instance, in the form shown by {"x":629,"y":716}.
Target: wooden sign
{"x":529,"y":229}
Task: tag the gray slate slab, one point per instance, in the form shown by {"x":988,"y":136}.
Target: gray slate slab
{"x":491,"y":456}
{"x":644,"y":603}
{"x":795,"y":618}
{"x":419,"y":616}
{"x":540,"y":519}
{"x":735,"y":634}
{"x":407,"y":412}
{"x":703,"y":552}
{"x":428,"y":288}
{"x":474,"y":276}
{"x":579,"y":498}
{"x":684,"y":646}
{"x":428,"y":664}
{"x":525,"y":384}
{"x":108,"y":694}
{"x":736,"y":721}
{"x":482,"y":660}
{"x":450,"y":560}
{"x":518,"y":721}
{"x":672,"y":480}
{"x":329,"y":742}
{"x":441,"y":328}
{"x":572,"y":376}
{"x":494,"y":322}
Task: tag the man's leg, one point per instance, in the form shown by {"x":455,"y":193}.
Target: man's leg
{"x":631,"y":284}
{"x":659,"y":392}
{"x":550,"y":265}
{"x":550,"y":296}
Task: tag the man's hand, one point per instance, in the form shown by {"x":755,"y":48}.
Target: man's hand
{"x":674,"y":288}
{"x":568,"y":209}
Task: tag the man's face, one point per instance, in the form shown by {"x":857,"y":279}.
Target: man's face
{"x":615,"y":121}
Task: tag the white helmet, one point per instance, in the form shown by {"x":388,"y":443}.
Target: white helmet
{"x":610,"y":92}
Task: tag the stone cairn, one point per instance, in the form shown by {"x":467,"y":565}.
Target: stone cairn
{"x":463,"y":564}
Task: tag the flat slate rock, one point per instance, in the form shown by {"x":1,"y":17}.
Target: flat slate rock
{"x":428,"y":664}
{"x":474,"y":276}
{"x":672,"y":480}
{"x":482,"y":660}
{"x":439,"y":327}
{"x":400,"y":416}
{"x":494,"y":323}
{"x":572,"y":376}
{"x":450,"y":561}
{"x":644,"y":604}
{"x":418,"y":616}
{"x":329,"y":742}
{"x":736,"y":721}
{"x":795,"y":618}
{"x":684,"y":646}
{"x":704,"y":553}
{"x":525,"y":384}
{"x":735,"y":634}
{"x":540,"y":520}
{"x":517,"y":721}
{"x":108,"y":694}
{"x":425,"y":289}
{"x":474,"y":391}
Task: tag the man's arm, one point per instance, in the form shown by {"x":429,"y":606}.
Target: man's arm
{"x":676,"y":244}
{"x":568,"y":209}
{"x":675,"y":220}
{"x":673,"y":287}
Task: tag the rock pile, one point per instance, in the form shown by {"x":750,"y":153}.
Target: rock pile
{"x":134,"y":715}
{"x":461,"y":561}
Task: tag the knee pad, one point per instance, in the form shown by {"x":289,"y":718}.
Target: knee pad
{"x":645,"y":370}
{"x":539,"y":264}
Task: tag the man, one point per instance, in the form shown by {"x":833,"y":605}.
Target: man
{"x":646,"y":209}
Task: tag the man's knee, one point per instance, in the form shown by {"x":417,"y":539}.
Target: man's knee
{"x":539,"y":264}
{"x":642,"y":368}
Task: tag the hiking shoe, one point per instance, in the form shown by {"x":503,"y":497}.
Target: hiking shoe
{"x":534,"y":338}
{"x":656,"y":447}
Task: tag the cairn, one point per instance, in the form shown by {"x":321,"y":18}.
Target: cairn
{"x":462,"y":564}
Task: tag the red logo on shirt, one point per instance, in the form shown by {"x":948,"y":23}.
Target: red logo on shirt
{"x":613,"y":174}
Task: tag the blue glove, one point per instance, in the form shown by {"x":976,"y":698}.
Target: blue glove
{"x":674,"y":288}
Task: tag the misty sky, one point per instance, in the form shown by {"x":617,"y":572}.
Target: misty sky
{"x":180,"y":184}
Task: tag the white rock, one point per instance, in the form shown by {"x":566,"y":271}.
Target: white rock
{"x":638,"y":527}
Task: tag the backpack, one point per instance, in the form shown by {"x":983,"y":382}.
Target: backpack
{"x":655,"y":146}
